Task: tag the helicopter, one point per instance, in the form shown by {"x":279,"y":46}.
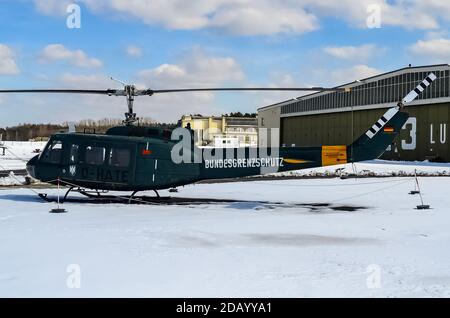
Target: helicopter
{"x":134,"y":158}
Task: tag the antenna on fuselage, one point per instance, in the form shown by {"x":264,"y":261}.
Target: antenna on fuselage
{"x":118,"y":81}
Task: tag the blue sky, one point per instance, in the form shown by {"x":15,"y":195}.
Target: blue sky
{"x":175,"y":43}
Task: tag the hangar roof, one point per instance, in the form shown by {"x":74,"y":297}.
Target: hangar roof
{"x":378,"y":91}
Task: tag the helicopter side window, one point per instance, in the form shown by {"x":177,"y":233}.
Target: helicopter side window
{"x":95,"y":155}
{"x":119,"y":158}
{"x":53,"y":152}
{"x":74,"y":153}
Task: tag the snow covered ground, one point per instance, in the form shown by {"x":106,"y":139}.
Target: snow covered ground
{"x":15,"y":158}
{"x":18,"y":153}
{"x":378,"y":168}
{"x":328,"y":237}
{"x":385,"y":248}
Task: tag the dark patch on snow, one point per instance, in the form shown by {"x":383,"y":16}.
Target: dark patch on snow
{"x":328,"y":207}
{"x":20,"y":198}
{"x":316,"y":207}
{"x":347,"y":208}
{"x":205,"y":240}
{"x":306,"y":240}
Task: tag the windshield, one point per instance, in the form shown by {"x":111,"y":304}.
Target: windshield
{"x":53,"y":152}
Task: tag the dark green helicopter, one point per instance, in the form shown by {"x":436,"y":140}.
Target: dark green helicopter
{"x":136,"y":158}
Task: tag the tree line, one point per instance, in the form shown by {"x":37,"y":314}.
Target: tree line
{"x":25,"y":132}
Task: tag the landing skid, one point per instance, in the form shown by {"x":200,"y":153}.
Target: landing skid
{"x":105,"y":199}
{"x":255,"y":205}
{"x":95,"y":196}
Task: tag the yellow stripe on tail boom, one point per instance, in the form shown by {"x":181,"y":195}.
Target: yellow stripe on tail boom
{"x":295,"y":161}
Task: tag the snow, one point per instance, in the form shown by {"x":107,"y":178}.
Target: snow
{"x":243,"y":249}
{"x":12,"y":180}
{"x":287,"y":238}
{"x":378,"y":168}
{"x":18,"y":153}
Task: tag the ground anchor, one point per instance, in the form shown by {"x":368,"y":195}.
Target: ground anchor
{"x":417,"y":191}
{"x":58,"y":209}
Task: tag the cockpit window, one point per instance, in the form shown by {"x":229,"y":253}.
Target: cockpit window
{"x":53,"y":153}
{"x":95,"y":155}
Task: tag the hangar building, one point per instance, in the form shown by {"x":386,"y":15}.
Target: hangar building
{"x":337,"y":118}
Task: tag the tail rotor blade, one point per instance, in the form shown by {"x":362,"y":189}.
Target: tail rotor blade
{"x":419,"y":89}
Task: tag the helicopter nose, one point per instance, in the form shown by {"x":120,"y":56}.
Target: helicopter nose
{"x":31,"y":166}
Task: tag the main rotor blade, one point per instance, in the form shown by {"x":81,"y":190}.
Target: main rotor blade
{"x":150,"y":92}
{"x":307,"y":89}
{"x":62,"y":91}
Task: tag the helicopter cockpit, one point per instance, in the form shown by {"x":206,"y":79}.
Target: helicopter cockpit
{"x":52,"y":152}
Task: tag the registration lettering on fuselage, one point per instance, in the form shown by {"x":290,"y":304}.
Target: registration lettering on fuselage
{"x":244,"y":163}
{"x":105,"y":175}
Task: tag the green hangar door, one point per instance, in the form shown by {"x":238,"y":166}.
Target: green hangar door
{"x":336,"y":118}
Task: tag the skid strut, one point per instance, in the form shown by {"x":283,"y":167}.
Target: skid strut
{"x":97,"y":196}
{"x":67,"y":193}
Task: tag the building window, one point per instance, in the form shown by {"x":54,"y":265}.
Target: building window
{"x":447,"y":84}
{"x":359,"y":100}
{"x":389,"y":89}
{"x":428,"y":92}
{"x":397,"y":88}
{"x":436,"y":86}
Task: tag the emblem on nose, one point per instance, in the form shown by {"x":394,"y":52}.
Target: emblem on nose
{"x":73,"y":170}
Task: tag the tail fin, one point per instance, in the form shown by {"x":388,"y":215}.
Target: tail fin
{"x":375,"y":141}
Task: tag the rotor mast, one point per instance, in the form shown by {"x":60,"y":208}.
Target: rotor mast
{"x":130,"y":116}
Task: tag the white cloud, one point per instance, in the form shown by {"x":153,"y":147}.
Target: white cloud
{"x":89,"y":81}
{"x":278,"y":80}
{"x":241,"y":17}
{"x":433,"y":49}
{"x":354,"y":53}
{"x":195,"y":70}
{"x":58,"y":52}
{"x":8,"y":65}
{"x":406,"y":14}
{"x":52,"y":7}
{"x":357,"y":72}
{"x":133,"y":51}
{"x":262,"y":17}
{"x":58,"y":108}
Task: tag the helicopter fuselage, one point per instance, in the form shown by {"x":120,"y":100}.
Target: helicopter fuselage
{"x":142,"y":158}
{"x":125,"y":163}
